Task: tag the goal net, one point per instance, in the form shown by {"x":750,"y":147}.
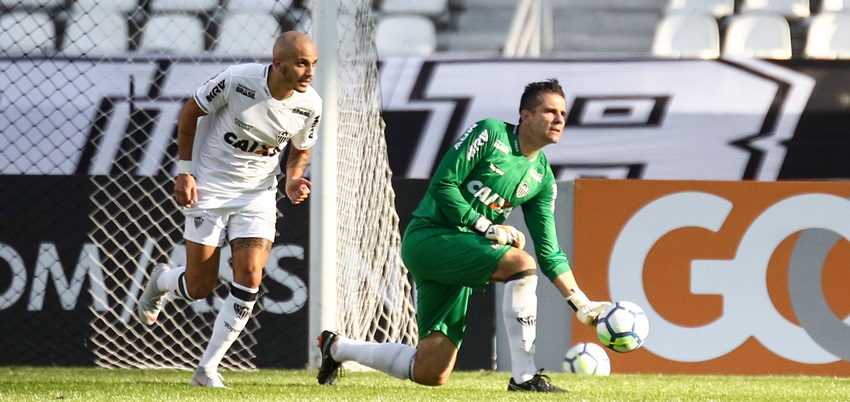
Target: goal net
{"x":122,"y":70}
{"x":374,"y":296}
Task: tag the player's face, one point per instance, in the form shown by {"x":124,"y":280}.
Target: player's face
{"x":548,"y":118}
{"x":299,"y":66}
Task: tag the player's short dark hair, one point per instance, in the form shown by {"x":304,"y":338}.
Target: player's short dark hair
{"x":529,"y":98}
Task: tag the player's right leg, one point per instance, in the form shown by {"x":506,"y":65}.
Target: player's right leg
{"x":150,"y":302}
{"x":194,"y":282}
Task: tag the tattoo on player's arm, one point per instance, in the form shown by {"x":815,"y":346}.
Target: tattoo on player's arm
{"x":263,"y":244}
{"x":298,"y":163}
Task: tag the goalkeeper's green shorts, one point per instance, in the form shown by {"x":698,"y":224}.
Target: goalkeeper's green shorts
{"x":447,"y":265}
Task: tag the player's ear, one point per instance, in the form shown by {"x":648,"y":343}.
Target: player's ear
{"x":524,"y":116}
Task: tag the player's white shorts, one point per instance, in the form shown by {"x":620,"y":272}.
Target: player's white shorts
{"x":213,"y":222}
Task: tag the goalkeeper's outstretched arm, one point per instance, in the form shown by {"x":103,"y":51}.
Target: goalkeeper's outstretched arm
{"x":587,"y":311}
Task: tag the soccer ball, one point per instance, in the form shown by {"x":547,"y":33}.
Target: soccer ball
{"x":587,"y":358}
{"x":622,"y":327}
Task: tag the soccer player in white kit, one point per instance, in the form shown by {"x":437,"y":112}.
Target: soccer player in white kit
{"x":227,"y":184}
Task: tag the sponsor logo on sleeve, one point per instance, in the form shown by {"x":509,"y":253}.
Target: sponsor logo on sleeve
{"x":476,"y":144}
{"x":313,"y":127}
{"x":215,"y":91}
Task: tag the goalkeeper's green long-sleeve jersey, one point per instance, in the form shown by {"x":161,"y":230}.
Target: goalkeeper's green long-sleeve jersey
{"x":484,"y":173}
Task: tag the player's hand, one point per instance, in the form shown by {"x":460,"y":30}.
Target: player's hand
{"x":185,"y":190}
{"x":587,"y":311}
{"x":297,"y":190}
{"x":504,"y":234}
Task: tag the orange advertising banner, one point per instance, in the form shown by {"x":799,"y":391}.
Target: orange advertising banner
{"x":736,"y":277}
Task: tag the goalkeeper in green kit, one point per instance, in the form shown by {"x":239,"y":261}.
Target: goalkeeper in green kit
{"x":456,"y":243}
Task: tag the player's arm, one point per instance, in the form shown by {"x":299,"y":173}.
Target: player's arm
{"x":539,"y":214}
{"x":297,"y":188}
{"x":456,"y":165}
{"x":185,"y":188}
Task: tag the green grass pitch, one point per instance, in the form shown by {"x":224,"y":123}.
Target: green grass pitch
{"x":124,"y":385}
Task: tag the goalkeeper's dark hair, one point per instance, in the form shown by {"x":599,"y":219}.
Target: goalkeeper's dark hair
{"x":530,"y":98}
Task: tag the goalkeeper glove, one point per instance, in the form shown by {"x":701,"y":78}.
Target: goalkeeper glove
{"x":586,"y":311}
{"x":502,"y":234}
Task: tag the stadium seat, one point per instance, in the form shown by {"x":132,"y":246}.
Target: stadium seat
{"x":758,"y":35}
{"x":405,"y":35}
{"x":100,"y":6}
{"x":173,"y":33}
{"x":196,"y":6}
{"x":268,"y":6}
{"x":835,"y":6}
{"x":785,"y":8}
{"x":717,"y":8}
{"x":96,"y":32}
{"x":31,"y":4}
{"x":687,"y":35}
{"x":26,"y":32}
{"x":828,"y":37}
{"x":434,"y":9}
{"x":247,"y":33}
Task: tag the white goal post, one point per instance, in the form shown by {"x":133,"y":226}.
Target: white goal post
{"x":359,"y":285}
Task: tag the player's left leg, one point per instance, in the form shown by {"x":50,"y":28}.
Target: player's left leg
{"x":249,"y":258}
{"x":519,"y":309}
{"x":251,"y":231}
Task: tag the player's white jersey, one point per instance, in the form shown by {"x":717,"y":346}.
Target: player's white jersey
{"x":238,"y":143}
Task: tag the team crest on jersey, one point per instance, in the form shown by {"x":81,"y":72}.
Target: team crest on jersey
{"x":245,"y":91}
{"x":283,"y":136}
{"x":522,"y":190}
{"x":198,"y":222}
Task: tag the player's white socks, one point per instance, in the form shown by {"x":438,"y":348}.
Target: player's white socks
{"x":231,"y":320}
{"x":519,"y":309}
{"x":395,"y":359}
{"x":174,"y":281}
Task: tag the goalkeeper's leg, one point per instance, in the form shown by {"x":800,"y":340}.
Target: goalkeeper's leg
{"x":519,"y":309}
{"x":395,"y":359}
{"x":430,"y":363}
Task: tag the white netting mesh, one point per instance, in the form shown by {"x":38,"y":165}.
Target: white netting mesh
{"x":93,"y":87}
{"x":374,"y":294}
{"x":136,"y":221}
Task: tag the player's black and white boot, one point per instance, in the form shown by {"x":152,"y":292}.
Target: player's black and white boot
{"x":329,"y":369}
{"x":539,"y":383}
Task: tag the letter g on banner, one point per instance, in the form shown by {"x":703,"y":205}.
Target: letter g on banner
{"x":741,"y":281}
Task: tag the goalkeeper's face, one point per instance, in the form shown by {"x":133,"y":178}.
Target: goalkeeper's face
{"x":547,"y":119}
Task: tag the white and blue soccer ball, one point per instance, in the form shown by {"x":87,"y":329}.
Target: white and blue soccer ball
{"x":622,"y":327}
{"x":587,"y":358}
